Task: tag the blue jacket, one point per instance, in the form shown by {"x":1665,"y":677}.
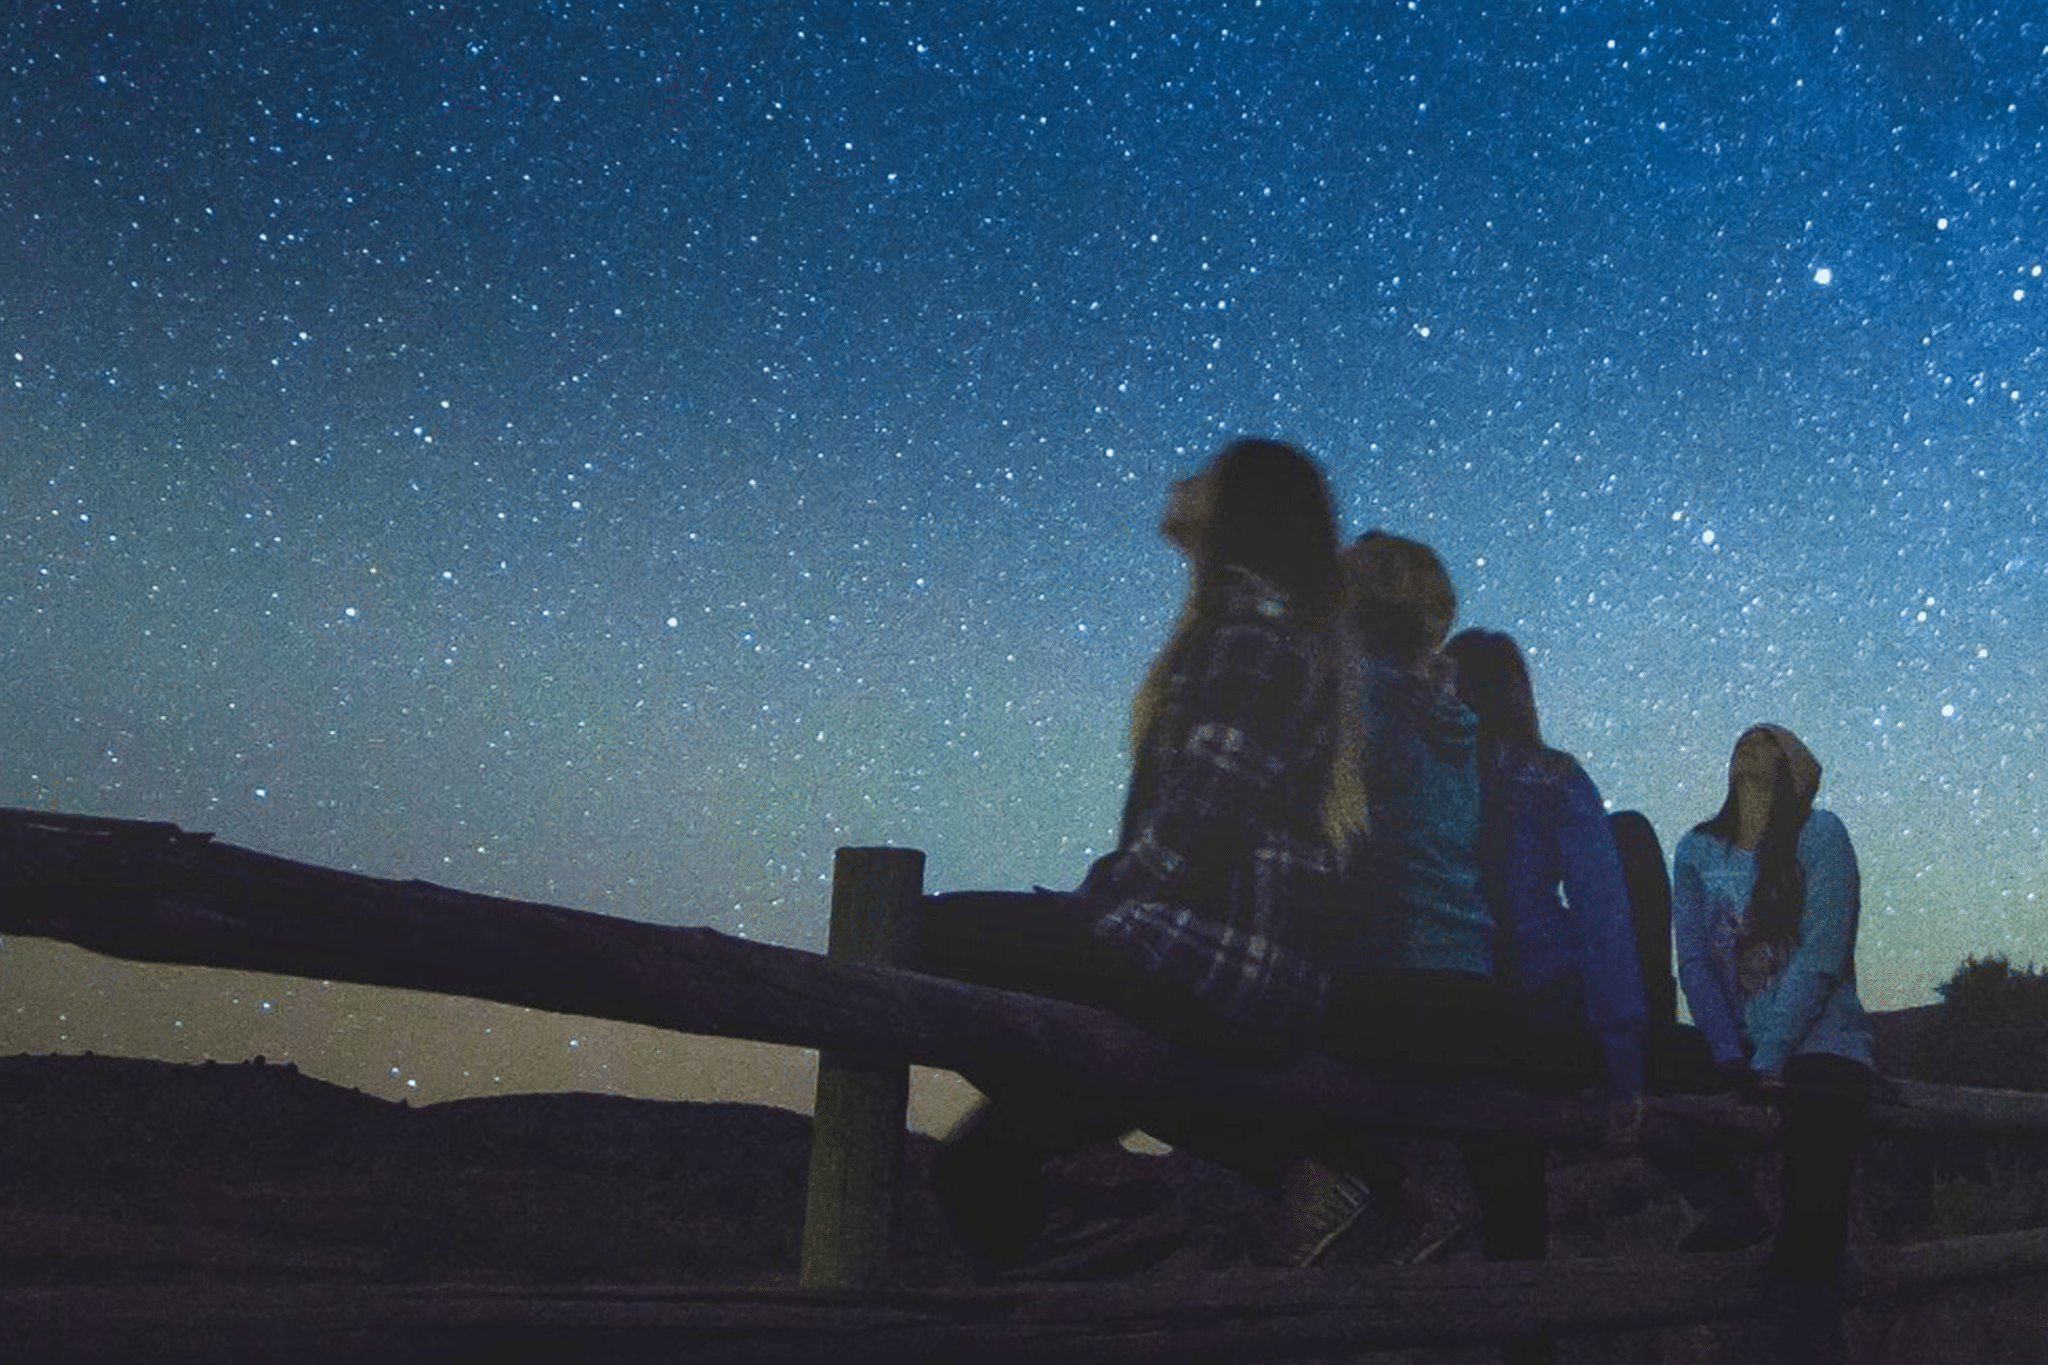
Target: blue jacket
{"x":1412,"y":890}
{"x":1570,"y":959}
{"x":1808,"y":1003}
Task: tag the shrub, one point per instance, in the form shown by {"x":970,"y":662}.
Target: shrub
{"x":1992,"y":1029}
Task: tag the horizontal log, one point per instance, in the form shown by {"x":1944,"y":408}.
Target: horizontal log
{"x":155,"y":893}
{"x":1953,"y":1110}
{"x":1242,"y":1316}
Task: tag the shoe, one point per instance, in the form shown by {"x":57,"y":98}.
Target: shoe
{"x":1428,"y":1229}
{"x":1077,"y":1245}
{"x":993,"y":1199}
{"x":1319,"y":1203}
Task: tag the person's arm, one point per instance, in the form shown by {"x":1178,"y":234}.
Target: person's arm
{"x":1596,"y":898}
{"x":1251,"y":708}
{"x":1705,"y":979}
{"x":1826,"y":952}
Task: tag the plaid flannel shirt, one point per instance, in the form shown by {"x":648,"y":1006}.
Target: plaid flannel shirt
{"x":1222,"y":866}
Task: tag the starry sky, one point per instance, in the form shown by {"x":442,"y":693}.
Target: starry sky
{"x":613,"y":454}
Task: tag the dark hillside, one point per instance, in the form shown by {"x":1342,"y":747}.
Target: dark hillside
{"x":123,"y":1173}
{"x":124,"y":1169}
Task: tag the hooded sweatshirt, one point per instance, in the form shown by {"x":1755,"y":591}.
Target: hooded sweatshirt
{"x":1413,"y":897}
{"x":1797,"y":1002}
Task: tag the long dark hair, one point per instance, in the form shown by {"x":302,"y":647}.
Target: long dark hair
{"x":1493,"y":682}
{"x":1273,"y":516}
{"x":1270,"y":513}
{"x":1777,"y":900}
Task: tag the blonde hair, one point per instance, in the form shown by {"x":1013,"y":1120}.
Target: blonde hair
{"x":1347,"y":807}
{"x":1398,"y":603}
{"x":1150,"y":702}
{"x":1398,"y":596}
{"x":1346,"y":812}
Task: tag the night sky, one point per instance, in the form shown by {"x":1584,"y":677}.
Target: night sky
{"x":613,"y":454}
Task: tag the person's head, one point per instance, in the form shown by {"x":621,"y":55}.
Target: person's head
{"x":1264,"y":506}
{"x":1493,"y":682}
{"x":1399,"y":598}
{"x":1772,"y":781}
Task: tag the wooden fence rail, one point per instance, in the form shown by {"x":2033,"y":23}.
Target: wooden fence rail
{"x":156,"y":893}
{"x":1248,"y":1315}
{"x":151,"y":892}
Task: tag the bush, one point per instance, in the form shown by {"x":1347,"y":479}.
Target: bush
{"x":1992,"y":1030}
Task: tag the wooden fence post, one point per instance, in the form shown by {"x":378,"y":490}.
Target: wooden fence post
{"x":857,"y":1131}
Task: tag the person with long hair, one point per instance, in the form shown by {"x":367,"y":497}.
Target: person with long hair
{"x":1565,"y":950}
{"x":1565,"y":957}
{"x":1415,"y":918}
{"x":1411,"y":947}
{"x":1765,"y":902}
{"x":1198,"y":924}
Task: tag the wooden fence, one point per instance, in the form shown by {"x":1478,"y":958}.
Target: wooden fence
{"x":156,"y":893}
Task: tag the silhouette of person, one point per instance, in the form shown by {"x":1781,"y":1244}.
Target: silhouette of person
{"x":1197,"y":924}
{"x":1648,"y":879}
{"x":1766,"y":897}
{"x":1414,"y":933}
{"x":1411,"y":949}
{"x":1567,"y":949}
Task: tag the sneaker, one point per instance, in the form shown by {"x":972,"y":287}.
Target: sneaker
{"x":993,"y":1199}
{"x":1429,"y":1228}
{"x":1318,"y":1205}
{"x":1077,"y":1245}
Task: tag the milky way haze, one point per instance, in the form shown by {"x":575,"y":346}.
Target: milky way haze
{"x":612,"y":454}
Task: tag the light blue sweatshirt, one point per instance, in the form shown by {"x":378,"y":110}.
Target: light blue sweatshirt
{"x":1810,"y":1004}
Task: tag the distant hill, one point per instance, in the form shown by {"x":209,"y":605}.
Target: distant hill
{"x":119,"y":1168}
{"x":1899,"y":1038}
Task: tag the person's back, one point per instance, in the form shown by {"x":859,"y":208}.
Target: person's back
{"x":1648,"y":879}
{"x":1566,"y":962}
{"x":1193,"y":924}
{"x":1410,"y":944}
{"x":1414,"y":879}
{"x":1218,"y":872}
{"x":1554,"y":879}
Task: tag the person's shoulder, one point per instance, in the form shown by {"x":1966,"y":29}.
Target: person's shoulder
{"x":1824,"y":829}
{"x":1380,"y":671}
{"x":1243,"y":598}
{"x":1539,"y":766}
{"x":1256,"y":630}
{"x":1561,"y":769}
{"x":1383,"y":687}
{"x":1697,"y":844}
